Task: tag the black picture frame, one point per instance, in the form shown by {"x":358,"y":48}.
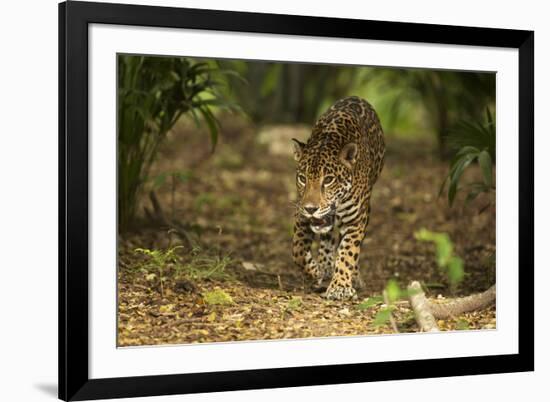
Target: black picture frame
{"x":74,"y":18}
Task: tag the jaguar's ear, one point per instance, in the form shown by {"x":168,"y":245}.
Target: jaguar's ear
{"x":298,"y":148}
{"x":348,"y":154}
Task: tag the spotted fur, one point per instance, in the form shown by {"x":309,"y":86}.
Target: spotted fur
{"x":336,"y":171}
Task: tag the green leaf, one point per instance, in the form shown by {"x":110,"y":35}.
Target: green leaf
{"x":456,"y":173}
{"x":382,"y":317}
{"x":370,"y":302}
{"x":465,"y":151}
{"x":393,"y":291}
{"x":424,"y":235}
{"x":455,"y":270}
{"x":443,"y":249}
{"x":489,"y":115}
{"x":443,"y":244}
{"x":217,"y":297}
{"x":442,"y":188}
{"x":294,"y":303}
{"x":212,"y":125}
{"x":486,"y":165}
{"x":462,"y":325}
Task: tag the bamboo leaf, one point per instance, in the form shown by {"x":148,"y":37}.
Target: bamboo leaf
{"x":212,"y":125}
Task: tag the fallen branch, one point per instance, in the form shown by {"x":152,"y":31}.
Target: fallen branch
{"x":422,"y":308}
{"x":427,"y":312}
{"x":463,"y":305}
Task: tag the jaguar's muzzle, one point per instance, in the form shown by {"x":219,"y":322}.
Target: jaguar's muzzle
{"x":323,"y":224}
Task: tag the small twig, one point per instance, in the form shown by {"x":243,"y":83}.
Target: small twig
{"x":157,"y":209}
{"x":197,"y":322}
{"x":280,"y":282}
{"x":392,"y":320}
{"x":173,"y":197}
{"x":161,"y":282}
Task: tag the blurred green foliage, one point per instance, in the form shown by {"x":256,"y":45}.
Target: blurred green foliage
{"x":392,"y":294}
{"x":289,"y":92}
{"x":446,"y":258}
{"x":433,"y":101}
{"x":410,"y":102}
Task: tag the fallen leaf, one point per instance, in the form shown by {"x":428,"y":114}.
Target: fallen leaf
{"x":252,"y":266}
{"x":217,"y":297}
{"x":166,"y":308}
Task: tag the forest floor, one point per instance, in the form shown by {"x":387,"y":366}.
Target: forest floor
{"x":235,"y":280}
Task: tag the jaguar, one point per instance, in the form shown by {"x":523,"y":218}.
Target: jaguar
{"x":336,"y":170}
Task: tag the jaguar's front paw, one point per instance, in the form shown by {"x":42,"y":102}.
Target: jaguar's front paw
{"x":338,"y":292}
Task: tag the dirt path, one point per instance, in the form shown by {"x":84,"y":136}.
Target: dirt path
{"x":237,"y":211}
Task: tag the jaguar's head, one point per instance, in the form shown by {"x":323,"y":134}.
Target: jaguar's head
{"x":324,"y":175}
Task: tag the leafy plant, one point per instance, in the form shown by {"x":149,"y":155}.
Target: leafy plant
{"x":157,"y":260}
{"x":205,"y":265}
{"x":198,"y":264}
{"x":153,"y":92}
{"x":473,"y":142}
{"x":446,"y":259}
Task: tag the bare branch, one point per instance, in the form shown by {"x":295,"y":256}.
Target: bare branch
{"x":421,"y":307}
{"x":462,"y":305}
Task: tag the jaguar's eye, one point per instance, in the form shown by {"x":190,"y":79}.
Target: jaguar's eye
{"x":328,"y":180}
{"x":302,"y":179}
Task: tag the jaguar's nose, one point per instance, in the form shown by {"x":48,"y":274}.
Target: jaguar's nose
{"x":310,"y":208}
